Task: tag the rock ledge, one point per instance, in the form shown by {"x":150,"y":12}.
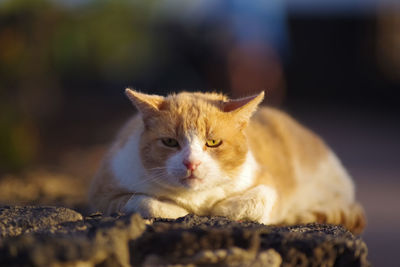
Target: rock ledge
{"x":56,"y":236}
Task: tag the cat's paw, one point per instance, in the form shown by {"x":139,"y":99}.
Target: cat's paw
{"x":255,"y":205}
{"x":149,"y":207}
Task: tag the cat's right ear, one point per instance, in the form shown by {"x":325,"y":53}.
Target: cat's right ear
{"x":146,"y":104}
{"x":243,"y":108}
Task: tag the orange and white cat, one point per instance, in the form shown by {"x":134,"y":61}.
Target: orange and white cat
{"x":205,"y":154}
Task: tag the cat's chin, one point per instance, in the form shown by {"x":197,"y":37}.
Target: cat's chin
{"x":192,"y":182}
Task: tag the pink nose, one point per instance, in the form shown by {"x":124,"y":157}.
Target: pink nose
{"x":191,"y":165}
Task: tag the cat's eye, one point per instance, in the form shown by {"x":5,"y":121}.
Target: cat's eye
{"x":170,"y":142}
{"x":213,"y":143}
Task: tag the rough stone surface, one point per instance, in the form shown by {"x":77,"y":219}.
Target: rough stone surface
{"x":62,"y":237}
{"x":185,"y":240}
{"x":90,"y":241}
{"x":20,"y":220}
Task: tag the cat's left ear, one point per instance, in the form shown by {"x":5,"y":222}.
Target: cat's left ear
{"x":146,"y":104}
{"x":243,"y":108}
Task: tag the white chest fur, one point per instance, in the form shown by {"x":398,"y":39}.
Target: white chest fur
{"x":127,"y":167}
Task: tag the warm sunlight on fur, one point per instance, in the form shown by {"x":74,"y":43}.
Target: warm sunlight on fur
{"x":205,"y":154}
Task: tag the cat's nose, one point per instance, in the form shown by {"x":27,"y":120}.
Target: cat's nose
{"x":191,"y":164}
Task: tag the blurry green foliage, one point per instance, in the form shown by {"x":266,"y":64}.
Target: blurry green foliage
{"x":112,"y":37}
{"x":18,"y":143}
{"x":45,"y":42}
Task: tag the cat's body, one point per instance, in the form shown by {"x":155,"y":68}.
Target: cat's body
{"x":202,"y":154}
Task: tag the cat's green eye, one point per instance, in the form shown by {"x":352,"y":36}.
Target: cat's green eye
{"x":213,"y":143}
{"x":170,"y":142}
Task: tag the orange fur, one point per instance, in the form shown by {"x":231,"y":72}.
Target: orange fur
{"x":295,"y":177}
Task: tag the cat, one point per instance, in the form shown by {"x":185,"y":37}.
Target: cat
{"x":205,"y":154}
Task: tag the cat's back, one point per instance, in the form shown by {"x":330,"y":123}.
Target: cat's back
{"x":282,"y":144}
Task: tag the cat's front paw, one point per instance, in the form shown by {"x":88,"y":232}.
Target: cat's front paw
{"x":255,"y":205}
{"x":149,"y":207}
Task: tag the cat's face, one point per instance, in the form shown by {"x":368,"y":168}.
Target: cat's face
{"x":193,"y":140}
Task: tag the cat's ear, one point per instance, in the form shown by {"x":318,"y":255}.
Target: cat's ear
{"x":243,"y":108}
{"x":146,"y":104}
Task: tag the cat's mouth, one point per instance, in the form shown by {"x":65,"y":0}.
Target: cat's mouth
{"x":191,"y":180}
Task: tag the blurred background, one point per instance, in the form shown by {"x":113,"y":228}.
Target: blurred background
{"x":334,"y":65}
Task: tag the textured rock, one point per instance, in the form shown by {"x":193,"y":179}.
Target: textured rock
{"x":221,"y":257}
{"x":192,"y":239}
{"x":48,"y":236}
{"x":92,"y":241}
{"x":20,"y":220}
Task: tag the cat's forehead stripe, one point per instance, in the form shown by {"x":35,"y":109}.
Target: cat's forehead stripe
{"x":192,"y":115}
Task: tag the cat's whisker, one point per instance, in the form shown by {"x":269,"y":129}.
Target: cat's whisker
{"x":157,"y":168}
{"x":146,"y":180}
{"x":158,"y":180}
